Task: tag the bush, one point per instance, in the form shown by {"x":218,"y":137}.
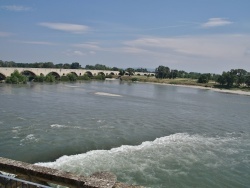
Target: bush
{"x":16,"y":78}
{"x":135,"y":79}
{"x":50,"y":78}
{"x":99,"y":77}
{"x":84,"y":77}
{"x":39,"y":78}
{"x":64,"y":78}
{"x":72,"y":77}
{"x":109,"y":76}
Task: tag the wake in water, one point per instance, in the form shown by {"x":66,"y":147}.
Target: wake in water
{"x":178,"y":160}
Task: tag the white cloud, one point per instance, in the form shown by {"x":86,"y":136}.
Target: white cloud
{"x":17,"y":8}
{"x":79,"y":53}
{"x":88,"y":45}
{"x":72,"y":28}
{"x":134,"y":50}
{"x":209,"y":51}
{"x":5,"y":34}
{"x":203,"y":46}
{"x":72,"y":53}
{"x":36,"y":42}
{"x":216,"y":22}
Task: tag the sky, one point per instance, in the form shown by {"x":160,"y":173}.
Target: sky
{"x":206,"y":36}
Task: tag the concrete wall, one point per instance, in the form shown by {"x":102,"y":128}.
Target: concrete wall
{"x":40,"y":174}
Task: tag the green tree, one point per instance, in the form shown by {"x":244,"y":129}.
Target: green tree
{"x":240,"y":76}
{"x":75,"y":65}
{"x":40,"y":78}
{"x":16,"y":78}
{"x":173,"y":74}
{"x":121,"y":72}
{"x":50,"y":78}
{"x":66,"y":66}
{"x":204,"y":78}
{"x":162,"y":72}
{"x":221,"y":80}
{"x":247,"y":80}
{"x":130,"y":71}
{"x":72,"y":77}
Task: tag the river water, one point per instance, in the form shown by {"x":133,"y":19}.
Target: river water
{"x":147,"y":134}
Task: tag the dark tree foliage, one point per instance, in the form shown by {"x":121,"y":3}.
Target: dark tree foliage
{"x":233,"y":77}
{"x":16,"y":78}
{"x":204,"y":78}
{"x":75,"y":65}
{"x":141,"y":70}
{"x":115,"y":69}
{"x":173,"y":74}
{"x":162,"y":72}
{"x":97,"y":67}
{"x":130,"y":71}
{"x":247,"y":81}
{"x":121,"y":72}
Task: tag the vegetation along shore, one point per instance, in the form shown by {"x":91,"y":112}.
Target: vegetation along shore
{"x":233,"y":81}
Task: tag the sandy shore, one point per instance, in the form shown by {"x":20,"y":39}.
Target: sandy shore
{"x":237,"y":92}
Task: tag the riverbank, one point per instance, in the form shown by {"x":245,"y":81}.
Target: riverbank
{"x":238,"y":92}
{"x":190,"y":83}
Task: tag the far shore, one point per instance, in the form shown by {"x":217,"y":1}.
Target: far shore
{"x":183,"y":82}
{"x":238,"y":92}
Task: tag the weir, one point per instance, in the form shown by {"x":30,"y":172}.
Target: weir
{"x":43,"y":175}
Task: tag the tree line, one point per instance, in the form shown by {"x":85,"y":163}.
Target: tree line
{"x":74,"y":65}
{"x":229,"y":79}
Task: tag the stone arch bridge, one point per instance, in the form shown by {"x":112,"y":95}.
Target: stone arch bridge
{"x":7,"y":71}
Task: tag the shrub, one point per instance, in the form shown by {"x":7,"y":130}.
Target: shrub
{"x":84,"y":77}
{"x":16,"y":78}
{"x":135,"y":79}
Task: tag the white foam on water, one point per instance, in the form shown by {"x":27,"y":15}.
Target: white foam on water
{"x":107,"y":94}
{"x":177,"y":155}
{"x":65,"y":126}
{"x":29,"y":138}
{"x":21,"y":118}
{"x":58,"y":126}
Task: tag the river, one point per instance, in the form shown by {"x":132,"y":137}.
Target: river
{"x":152,"y":135}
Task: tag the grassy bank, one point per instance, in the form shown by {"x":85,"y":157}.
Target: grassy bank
{"x":182,"y":81}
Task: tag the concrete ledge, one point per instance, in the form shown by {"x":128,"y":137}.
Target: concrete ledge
{"x":45,"y":175}
{"x":102,"y":180}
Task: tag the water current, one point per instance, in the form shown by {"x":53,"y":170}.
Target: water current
{"x":147,"y":134}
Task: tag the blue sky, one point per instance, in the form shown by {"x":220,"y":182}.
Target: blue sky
{"x":191,"y":35}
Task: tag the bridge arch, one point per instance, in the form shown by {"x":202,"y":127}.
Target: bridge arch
{"x":55,"y":74}
{"x":2,"y":76}
{"x":74,"y":73}
{"x":89,"y":74}
{"x":101,"y":73}
{"x":29,"y":74}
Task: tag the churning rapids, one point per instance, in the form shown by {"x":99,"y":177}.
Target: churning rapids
{"x":152,"y":135}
